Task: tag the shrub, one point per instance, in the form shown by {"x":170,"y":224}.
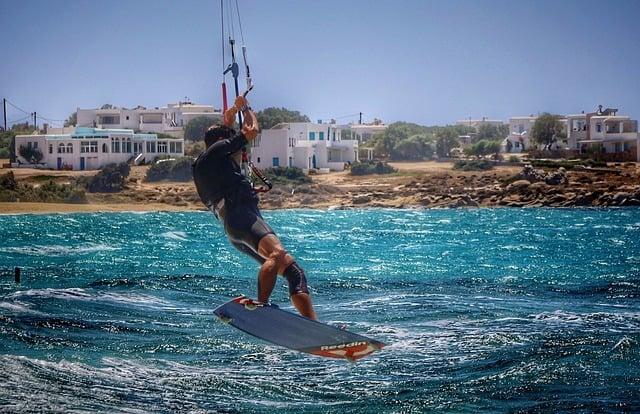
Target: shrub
{"x":472,"y":165}
{"x":179,"y":169}
{"x":567,"y":164}
{"x":8,"y":181}
{"x":110,"y":179}
{"x":514,"y":158}
{"x":49,"y":192}
{"x":287,"y":175}
{"x":371,"y":167}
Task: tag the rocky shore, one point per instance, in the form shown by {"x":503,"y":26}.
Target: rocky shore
{"x":528,"y":187}
{"x":427,"y":185}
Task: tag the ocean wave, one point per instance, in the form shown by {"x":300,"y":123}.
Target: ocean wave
{"x":84,"y":295}
{"x":175,"y":235}
{"x":58,"y":250}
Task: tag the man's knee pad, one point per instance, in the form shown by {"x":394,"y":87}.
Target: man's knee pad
{"x":296,"y":278}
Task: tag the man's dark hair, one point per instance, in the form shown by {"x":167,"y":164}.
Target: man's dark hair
{"x":216,"y":133}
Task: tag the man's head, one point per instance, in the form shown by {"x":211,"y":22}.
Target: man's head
{"x":216,"y":133}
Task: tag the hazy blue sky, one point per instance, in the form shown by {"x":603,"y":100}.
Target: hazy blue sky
{"x":430,"y":62}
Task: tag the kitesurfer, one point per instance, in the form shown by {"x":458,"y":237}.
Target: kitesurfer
{"x":231,"y":197}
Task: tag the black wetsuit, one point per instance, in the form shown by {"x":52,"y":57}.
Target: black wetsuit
{"x":230,"y":196}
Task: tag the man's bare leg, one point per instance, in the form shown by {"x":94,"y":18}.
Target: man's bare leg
{"x":277,"y":260}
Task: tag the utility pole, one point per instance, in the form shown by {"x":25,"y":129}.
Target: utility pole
{"x":35,"y":123}
{"x":4,"y":106}
{"x":360,"y":122}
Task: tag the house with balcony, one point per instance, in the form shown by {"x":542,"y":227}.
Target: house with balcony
{"x":364,"y":132}
{"x":614,"y":137}
{"x":93,"y":148}
{"x":305,"y":145}
{"x":170,"y":119}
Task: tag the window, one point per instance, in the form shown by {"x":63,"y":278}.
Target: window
{"x":290,"y":161}
{"x":258,"y":159}
{"x":127,"y":117}
{"x":334,"y":135}
{"x":179,"y":147}
{"x":312,"y":136}
{"x":162,"y":147}
{"x":321,"y":135}
{"x":276,"y":161}
{"x":61,"y":148}
{"x":69,"y":148}
{"x":35,"y":144}
{"x":105,"y":148}
{"x":172,"y":147}
{"x":151,"y":146}
{"x":93,"y":146}
{"x":50,"y":148}
{"x":128,"y":146}
{"x":84,"y":146}
{"x":598,"y":127}
{"x":115,"y":145}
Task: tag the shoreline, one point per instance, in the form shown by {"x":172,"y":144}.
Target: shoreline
{"x":416,"y":185}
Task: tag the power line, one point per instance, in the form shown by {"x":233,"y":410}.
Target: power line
{"x":17,"y":107}
{"x":19,"y":120}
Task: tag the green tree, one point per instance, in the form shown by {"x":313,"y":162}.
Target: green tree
{"x":33,"y":155}
{"x":492,"y":132}
{"x":197,"y":127}
{"x":272,"y":116}
{"x":547,"y":130}
{"x":195,"y":149}
{"x":346,"y":134}
{"x":446,"y":140}
{"x":72,"y":120}
{"x":415,"y":147}
{"x":483,"y":147}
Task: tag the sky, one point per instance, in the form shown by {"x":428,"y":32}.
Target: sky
{"x":428,"y":62}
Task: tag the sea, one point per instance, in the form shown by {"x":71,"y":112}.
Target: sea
{"x":482,"y":310}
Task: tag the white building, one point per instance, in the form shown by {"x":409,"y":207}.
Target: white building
{"x":519,"y":129}
{"x":304,"y":145}
{"x":364,"y":132}
{"x":93,"y":148}
{"x":476,"y":123}
{"x":170,"y":119}
{"x":613,"y":133}
{"x":519,"y":138}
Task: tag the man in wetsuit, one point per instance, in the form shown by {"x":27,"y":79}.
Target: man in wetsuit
{"x":231,"y":197}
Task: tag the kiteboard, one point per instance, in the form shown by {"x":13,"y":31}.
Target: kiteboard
{"x":272,"y":324}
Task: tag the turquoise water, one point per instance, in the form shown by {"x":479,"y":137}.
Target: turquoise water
{"x":492,"y":310}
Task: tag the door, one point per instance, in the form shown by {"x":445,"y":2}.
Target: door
{"x":314,"y":161}
{"x":82,"y":163}
{"x":59,"y":163}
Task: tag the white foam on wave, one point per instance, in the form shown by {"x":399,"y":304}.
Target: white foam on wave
{"x":19,"y":307}
{"x":58,"y":250}
{"x":630,"y":319}
{"x":83,"y":295}
{"x":175,"y":235}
